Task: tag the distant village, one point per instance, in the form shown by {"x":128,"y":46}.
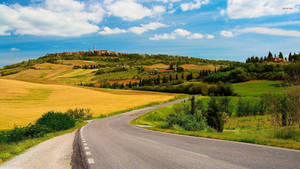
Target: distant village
{"x":94,"y":52}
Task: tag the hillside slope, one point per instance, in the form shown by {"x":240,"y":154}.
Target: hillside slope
{"x":24,"y":102}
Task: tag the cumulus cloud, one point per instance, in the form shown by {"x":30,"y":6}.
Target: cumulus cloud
{"x":14,"y":49}
{"x":209,"y":36}
{"x":270,"y":31}
{"x":136,"y":29}
{"x":163,"y":36}
{"x":146,"y":27}
{"x":109,"y":31}
{"x":4,"y":30}
{"x":282,"y":23}
{"x":196,"y":36}
{"x":131,"y":10}
{"x":237,"y":9}
{"x":180,"y":33}
{"x":261,"y":30}
{"x":227,"y":34}
{"x":196,"y":4}
{"x":56,"y":18}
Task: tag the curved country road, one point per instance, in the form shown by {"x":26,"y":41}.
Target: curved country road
{"x":112,"y":143}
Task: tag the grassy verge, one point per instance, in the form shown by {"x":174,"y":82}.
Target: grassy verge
{"x":250,"y":129}
{"x":139,"y":107}
{"x":8,"y":151}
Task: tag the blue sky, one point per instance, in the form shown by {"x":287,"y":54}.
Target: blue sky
{"x":212,"y":29}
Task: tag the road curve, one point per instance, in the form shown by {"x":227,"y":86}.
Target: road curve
{"x":112,"y":143}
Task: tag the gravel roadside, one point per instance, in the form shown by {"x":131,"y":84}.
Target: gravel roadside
{"x":51,"y":154}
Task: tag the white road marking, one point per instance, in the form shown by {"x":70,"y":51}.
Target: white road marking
{"x":86,"y":148}
{"x":88,"y":153}
{"x":84,"y":144}
{"x":91,"y":161}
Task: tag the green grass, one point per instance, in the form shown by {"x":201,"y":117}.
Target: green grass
{"x":249,"y":129}
{"x":259,"y":87}
{"x":8,"y":151}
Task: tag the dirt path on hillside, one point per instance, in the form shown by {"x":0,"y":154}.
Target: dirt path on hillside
{"x":52,"y":154}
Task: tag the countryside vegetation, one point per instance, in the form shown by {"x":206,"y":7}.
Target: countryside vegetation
{"x":256,"y":102}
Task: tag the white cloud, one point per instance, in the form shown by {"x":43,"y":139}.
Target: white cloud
{"x":4,"y":30}
{"x":136,"y":29}
{"x":14,"y":49}
{"x":282,"y":23}
{"x":56,"y":18}
{"x":227,"y":34}
{"x":195,"y":36}
{"x":130,"y":10}
{"x":209,"y":36}
{"x":193,"y":5}
{"x":163,"y":36}
{"x":237,"y":9}
{"x":158,"y":10}
{"x":180,"y":33}
{"x":270,"y":31}
{"x":146,"y":27}
{"x":109,"y":31}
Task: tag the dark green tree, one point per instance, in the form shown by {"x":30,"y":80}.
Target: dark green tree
{"x":280,"y":55}
{"x":214,"y":116}
{"x":270,"y":56}
{"x":193,"y":105}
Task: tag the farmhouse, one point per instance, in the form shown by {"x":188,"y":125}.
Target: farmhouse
{"x":278,"y":60}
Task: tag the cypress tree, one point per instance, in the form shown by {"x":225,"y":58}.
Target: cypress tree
{"x":193,"y":105}
{"x":170,"y":78}
{"x":280,"y":55}
{"x":270,"y":56}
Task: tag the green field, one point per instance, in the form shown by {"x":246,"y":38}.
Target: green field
{"x":251,"y":129}
{"x":259,"y":87}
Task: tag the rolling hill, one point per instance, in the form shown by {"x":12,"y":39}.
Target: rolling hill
{"x":23,"y":102}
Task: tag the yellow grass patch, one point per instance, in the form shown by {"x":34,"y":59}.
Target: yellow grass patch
{"x":24,"y":102}
{"x":54,"y":73}
{"x":77,"y":62}
{"x":199,"y":67}
{"x":44,"y":71}
{"x":157,"y":66}
{"x":185,"y":66}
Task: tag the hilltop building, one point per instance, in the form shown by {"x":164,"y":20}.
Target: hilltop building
{"x":95,"y":52}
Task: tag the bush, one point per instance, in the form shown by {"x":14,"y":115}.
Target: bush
{"x":56,"y":121}
{"x":79,"y":113}
{"x":22,"y":133}
{"x":288,"y":133}
{"x":187,"y":121}
{"x":214,"y":116}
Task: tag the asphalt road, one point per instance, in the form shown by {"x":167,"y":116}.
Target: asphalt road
{"x":112,"y":143}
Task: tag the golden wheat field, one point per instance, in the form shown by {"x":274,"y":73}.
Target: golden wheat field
{"x":199,"y":67}
{"x":185,"y":66}
{"x":23,"y":102}
{"x":54,"y":73}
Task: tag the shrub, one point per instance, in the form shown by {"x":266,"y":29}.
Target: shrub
{"x":287,"y":133}
{"x":215,"y":118}
{"x":56,"y":121}
{"x":22,"y":133}
{"x":79,"y":113}
{"x":188,"y":122}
